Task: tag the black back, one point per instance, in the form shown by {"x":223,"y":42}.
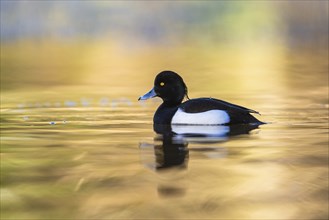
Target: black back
{"x":238,"y":114}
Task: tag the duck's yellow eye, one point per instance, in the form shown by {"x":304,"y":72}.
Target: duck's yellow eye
{"x":162,"y":84}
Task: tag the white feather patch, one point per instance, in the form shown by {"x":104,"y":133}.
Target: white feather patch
{"x":212,"y":130}
{"x":211,"y":117}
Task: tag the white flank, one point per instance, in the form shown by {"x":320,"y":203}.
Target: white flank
{"x":211,"y":117}
{"x":212,"y":130}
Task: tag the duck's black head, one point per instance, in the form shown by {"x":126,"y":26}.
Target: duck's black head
{"x":169,"y":86}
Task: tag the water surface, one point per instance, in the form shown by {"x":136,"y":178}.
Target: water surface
{"x":96,"y":156}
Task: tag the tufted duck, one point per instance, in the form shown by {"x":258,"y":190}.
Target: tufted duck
{"x":170,"y":87}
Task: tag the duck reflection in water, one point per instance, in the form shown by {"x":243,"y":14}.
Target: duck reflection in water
{"x":171,"y":142}
{"x":171,"y":152}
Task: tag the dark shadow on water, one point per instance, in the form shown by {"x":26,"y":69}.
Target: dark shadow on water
{"x":170,"y":145}
{"x":169,"y":154}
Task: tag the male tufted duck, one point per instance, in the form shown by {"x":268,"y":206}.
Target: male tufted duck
{"x":170,"y":87}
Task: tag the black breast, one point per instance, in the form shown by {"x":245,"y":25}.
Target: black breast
{"x":164,"y":114}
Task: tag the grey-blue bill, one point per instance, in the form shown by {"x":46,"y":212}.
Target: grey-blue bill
{"x":148,"y":95}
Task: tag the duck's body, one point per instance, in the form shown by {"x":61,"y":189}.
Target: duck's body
{"x":171,"y":88}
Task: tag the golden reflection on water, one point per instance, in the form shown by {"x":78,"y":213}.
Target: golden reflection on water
{"x":98,"y":159}
{"x":100,"y":162}
{"x":89,"y":164}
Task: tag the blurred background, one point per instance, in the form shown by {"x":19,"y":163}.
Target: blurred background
{"x":123,"y":44}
